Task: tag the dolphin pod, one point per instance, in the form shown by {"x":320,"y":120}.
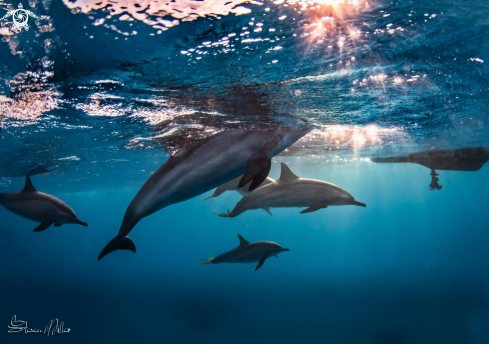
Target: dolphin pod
{"x":290,"y":191}
{"x":39,"y":207}
{"x":248,"y":252}
{"x":203,"y":166}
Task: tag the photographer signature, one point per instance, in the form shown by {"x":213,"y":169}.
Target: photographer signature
{"x":53,"y":327}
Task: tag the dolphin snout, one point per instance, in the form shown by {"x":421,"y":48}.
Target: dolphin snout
{"x":360,"y":204}
{"x":80,"y":222}
{"x":285,"y":249}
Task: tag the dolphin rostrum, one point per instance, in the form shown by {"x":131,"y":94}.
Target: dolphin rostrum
{"x":204,"y":166}
{"x":290,"y":191}
{"x":233,"y":185}
{"x":248,"y":252}
{"x":39,"y":207}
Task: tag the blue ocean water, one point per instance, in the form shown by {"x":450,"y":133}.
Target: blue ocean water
{"x":96,"y":95}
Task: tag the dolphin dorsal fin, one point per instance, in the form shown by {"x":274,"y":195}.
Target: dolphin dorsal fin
{"x":28,"y":187}
{"x":242,"y":241}
{"x":286,"y":175}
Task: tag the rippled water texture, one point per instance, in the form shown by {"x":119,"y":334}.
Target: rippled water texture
{"x":373,"y":78}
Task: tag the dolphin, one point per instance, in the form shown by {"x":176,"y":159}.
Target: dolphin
{"x":202,"y":167}
{"x":233,"y":185}
{"x":291,"y":191}
{"x":40,"y":207}
{"x":248,"y":252}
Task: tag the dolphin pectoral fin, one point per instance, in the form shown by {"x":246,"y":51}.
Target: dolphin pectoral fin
{"x":43,"y":226}
{"x":208,"y":260}
{"x":260,"y":263}
{"x":259,"y":161}
{"x":120,"y":242}
{"x":276,"y":256}
{"x":258,"y":165}
{"x":314,"y":207}
{"x":267,"y":209}
{"x":57,"y":225}
{"x":205,"y":199}
{"x":261,"y":176}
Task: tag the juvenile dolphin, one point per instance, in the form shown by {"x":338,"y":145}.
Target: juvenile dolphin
{"x":233,"y":185}
{"x":39,"y":207}
{"x":290,"y":191}
{"x":203,"y":166}
{"x":248,"y":252}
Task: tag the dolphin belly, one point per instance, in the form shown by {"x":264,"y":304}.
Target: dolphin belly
{"x":242,"y":257}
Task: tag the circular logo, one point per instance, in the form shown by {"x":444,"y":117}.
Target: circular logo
{"x":20,"y":17}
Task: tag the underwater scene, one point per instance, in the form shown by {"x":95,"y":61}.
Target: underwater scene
{"x":244,"y":171}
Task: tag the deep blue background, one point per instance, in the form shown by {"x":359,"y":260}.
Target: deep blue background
{"x":409,"y":268}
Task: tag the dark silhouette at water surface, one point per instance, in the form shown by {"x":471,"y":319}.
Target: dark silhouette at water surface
{"x":463,"y":159}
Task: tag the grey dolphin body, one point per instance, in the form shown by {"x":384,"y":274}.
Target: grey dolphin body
{"x":248,"y":252}
{"x":290,"y":191}
{"x":233,"y":186}
{"x":39,"y":207}
{"x":203,"y":166}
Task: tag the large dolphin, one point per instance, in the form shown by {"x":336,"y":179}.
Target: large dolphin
{"x":233,"y":186}
{"x":39,"y":207}
{"x":290,"y":191}
{"x":203,"y":166}
{"x":248,"y":252}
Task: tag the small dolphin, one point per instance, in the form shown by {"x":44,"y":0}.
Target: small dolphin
{"x":204,"y":166}
{"x":233,"y":186}
{"x":39,"y":207}
{"x":248,"y":252}
{"x":290,"y":191}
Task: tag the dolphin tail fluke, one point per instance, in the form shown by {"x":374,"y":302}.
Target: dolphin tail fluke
{"x":120,"y":242}
{"x":227,"y":214}
{"x":208,"y":260}
{"x":360,"y":204}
